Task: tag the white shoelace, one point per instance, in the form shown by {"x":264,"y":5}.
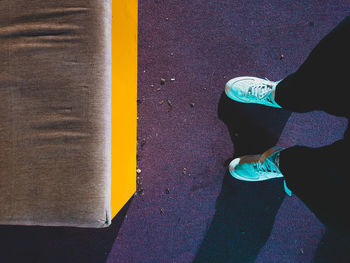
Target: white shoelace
{"x":268,"y":166}
{"x":259,"y":91}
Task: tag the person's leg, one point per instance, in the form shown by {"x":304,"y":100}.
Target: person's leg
{"x":321,"y":82}
{"x":320,"y":177}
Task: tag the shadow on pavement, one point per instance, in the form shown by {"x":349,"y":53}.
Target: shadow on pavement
{"x":245,"y":211}
{"x":333,"y":249}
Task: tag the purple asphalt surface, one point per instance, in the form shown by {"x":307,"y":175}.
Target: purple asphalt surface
{"x":205,"y":215}
{"x":188,"y":208}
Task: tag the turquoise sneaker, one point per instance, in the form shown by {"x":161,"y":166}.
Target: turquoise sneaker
{"x":252,"y":90}
{"x":253,"y":168}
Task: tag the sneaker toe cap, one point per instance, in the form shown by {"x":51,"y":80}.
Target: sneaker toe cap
{"x":242,"y":171}
{"x":233,"y":164}
{"x":236,"y":88}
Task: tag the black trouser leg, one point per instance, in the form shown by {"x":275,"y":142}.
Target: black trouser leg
{"x":320,"y":176}
{"x":322,"y":81}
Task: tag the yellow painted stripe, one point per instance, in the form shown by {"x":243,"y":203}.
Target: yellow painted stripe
{"x":124,"y":96}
